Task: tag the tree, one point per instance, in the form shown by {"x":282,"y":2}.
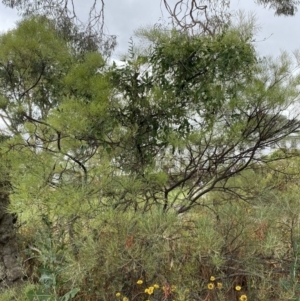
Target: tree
{"x":31,"y":72}
{"x":33,"y":59}
{"x":200,"y":114}
{"x":41,"y":75}
{"x":167,"y":126}
{"x":84,"y":35}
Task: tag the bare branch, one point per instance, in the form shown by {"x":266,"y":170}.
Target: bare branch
{"x":194,"y":16}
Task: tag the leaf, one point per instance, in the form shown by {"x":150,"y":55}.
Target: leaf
{"x":70,"y":295}
{"x":39,"y":295}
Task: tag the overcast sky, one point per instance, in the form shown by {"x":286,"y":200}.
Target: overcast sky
{"x":124,"y":16}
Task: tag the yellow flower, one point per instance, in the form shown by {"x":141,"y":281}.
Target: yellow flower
{"x":210,"y":286}
{"x":155,"y":285}
{"x":125,"y":299}
{"x":212,"y":278}
{"x":118,"y":294}
{"x":238,"y":288}
{"x":173,"y":288}
{"x":219,"y":285}
{"x":149,"y":290}
{"x":243,"y":298}
{"x":139,"y":281}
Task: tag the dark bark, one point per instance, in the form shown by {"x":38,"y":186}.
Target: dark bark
{"x":10,"y":264}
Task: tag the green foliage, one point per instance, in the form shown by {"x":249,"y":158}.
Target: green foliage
{"x":18,"y":293}
{"x":235,"y":241}
{"x":33,"y":61}
{"x":281,"y":7}
{"x":148,"y":178}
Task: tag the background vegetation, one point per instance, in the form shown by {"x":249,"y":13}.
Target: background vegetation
{"x":173,"y":175}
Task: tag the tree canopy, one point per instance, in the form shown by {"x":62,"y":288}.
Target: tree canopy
{"x":173,"y":119}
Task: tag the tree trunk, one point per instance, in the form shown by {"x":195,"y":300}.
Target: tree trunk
{"x":10,"y":263}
